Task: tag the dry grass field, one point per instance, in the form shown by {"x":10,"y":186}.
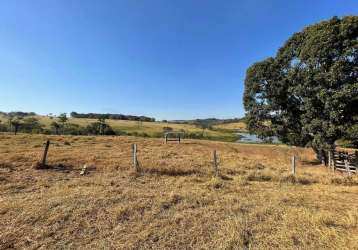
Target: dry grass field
{"x":175,"y":202}
{"x":241,"y":126}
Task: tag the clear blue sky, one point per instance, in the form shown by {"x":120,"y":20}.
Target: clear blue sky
{"x":163,"y":58}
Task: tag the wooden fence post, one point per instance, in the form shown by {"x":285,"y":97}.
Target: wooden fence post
{"x":44,"y":157}
{"x":346,"y":164}
{"x":334,"y":156}
{"x":135,"y":161}
{"x":215,"y":164}
{"x":329,"y":159}
{"x":356,"y":161}
{"x":323,"y":158}
{"x":293,"y":163}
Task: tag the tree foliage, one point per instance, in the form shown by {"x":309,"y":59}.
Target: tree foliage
{"x":63,"y":118}
{"x":55,"y":126}
{"x":99,"y":128}
{"x":112,"y":117}
{"x":31,"y":125}
{"x":308,"y":93}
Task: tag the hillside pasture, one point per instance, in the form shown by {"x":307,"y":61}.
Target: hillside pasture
{"x":174,"y":202}
{"x":238,"y":126}
{"x":147,"y":129}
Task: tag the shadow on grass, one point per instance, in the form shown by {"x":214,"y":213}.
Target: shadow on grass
{"x":171,"y":172}
{"x":345,"y":181}
{"x":225,"y":177}
{"x":55,"y":167}
{"x":190,"y":142}
{"x":7,"y":166}
{"x":298,"y":180}
{"x":311,"y":163}
{"x":258,"y":176}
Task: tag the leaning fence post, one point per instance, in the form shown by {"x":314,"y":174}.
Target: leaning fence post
{"x":215,"y":164}
{"x":135,"y":161}
{"x":44,"y":157}
{"x":293,"y":165}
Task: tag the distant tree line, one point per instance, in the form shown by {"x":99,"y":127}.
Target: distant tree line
{"x":211,"y":121}
{"x":17,"y":114}
{"x":112,"y":117}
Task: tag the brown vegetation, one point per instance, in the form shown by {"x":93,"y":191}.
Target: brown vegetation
{"x":174,"y":203}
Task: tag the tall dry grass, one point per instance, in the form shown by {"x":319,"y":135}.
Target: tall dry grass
{"x":174,"y":203}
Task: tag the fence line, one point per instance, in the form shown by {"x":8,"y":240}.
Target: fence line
{"x":345,"y":162}
{"x":337,"y":160}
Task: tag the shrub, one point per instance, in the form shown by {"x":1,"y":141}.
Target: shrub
{"x":3,"y":128}
{"x":31,"y":125}
{"x":72,"y":129}
{"x":120,"y":132}
{"x":167,"y":129}
{"x":109,"y":131}
{"x":97,"y":128}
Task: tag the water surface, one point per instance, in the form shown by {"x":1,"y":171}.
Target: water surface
{"x":252,"y":138}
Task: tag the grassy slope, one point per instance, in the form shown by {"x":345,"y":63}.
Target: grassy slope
{"x":149,"y":128}
{"x":175,"y":203}
{"x":232,"y":126}
{"x":2,"y":118}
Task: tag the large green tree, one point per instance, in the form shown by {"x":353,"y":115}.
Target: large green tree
{"x":308,"y":93}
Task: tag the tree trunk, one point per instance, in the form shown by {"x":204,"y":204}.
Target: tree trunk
{"x":317,"y":151}
{"x":324,"y":158}
{"x":320,"y":155}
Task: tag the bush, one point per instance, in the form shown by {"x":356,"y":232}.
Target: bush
{"x":109,"y":131}
{"x":121,"y":132}
{"x":167,"y":129}
{"x":3,"y":128}
{"x":157,"y":135}
{"x":143,"y":134}
{"x":97,"y":128}
{"x":31,"y":125}
{"x":72,"y":129}
{"x":195,"y":135}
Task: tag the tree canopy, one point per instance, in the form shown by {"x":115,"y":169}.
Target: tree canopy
{"x":308,"y":93}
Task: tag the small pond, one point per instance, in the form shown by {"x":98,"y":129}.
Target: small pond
{"x":252,"y":138}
